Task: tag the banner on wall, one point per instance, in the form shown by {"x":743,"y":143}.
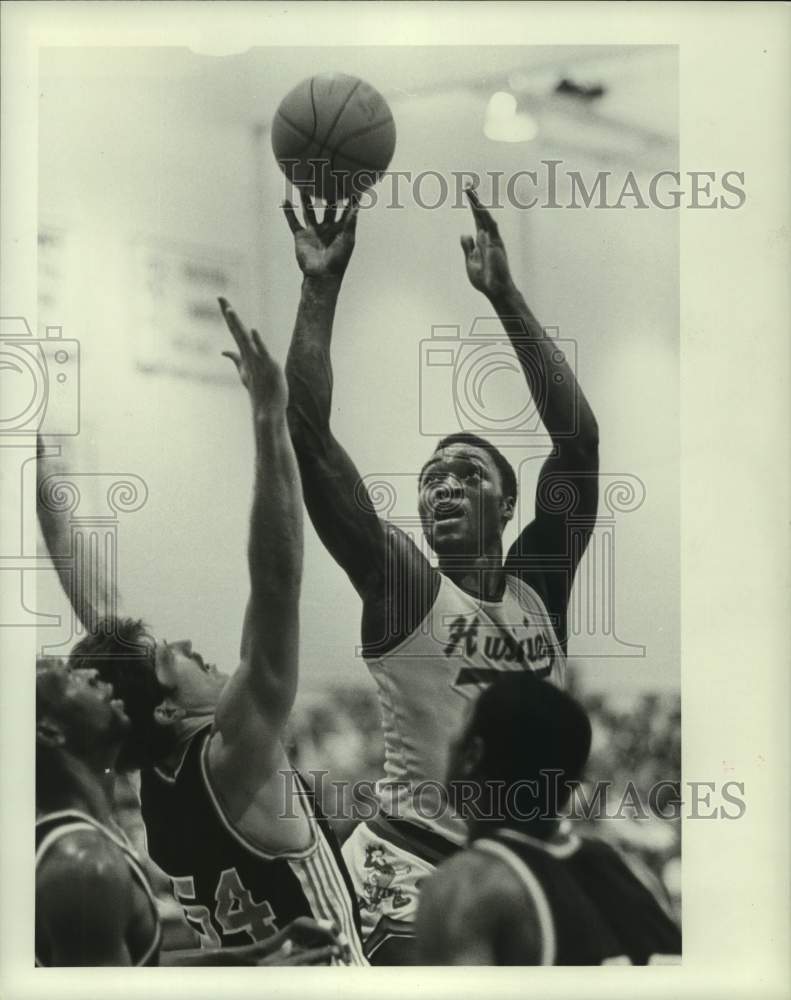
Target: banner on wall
{"x":174,"y":308}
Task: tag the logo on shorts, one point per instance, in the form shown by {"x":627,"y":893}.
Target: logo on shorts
{"x":377,"y":886}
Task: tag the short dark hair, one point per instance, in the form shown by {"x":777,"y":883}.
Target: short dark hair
{"x":504,"y":467}
{"x":121,"y":650}
{"x":529,"y":727}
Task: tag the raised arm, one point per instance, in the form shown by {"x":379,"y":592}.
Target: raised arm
{"x":91,"y":592}
{"x":388,"y":571}
{"x":567,"y":493}
{"x":257,"y":700}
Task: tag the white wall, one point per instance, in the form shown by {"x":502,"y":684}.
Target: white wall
{"x":118,"y":164}
{"x":118,"y":161}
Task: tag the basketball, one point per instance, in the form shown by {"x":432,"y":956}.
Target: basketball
{"x":333,"y":135}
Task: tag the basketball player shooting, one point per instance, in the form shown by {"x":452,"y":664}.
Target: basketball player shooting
{"x":525,"y":892}
{"x":434,"y":638}
{"x":250,"y":857}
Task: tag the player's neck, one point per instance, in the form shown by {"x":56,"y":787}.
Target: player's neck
{"x":101,"y":765}
{"x":72,"y":783}
{"x":170,"y":760}
{"x":481,"y":576}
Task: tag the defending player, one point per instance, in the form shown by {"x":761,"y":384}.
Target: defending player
{"x":226,"y":816}
{"x":94,"y":905}
{"x":434,"y":638}
{"x":524,"y":893}
{"x":83,"y":855}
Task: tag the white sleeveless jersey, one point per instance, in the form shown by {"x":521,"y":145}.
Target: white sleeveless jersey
{"x":427,"y":681}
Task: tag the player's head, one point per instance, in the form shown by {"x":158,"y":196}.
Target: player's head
{"x":77,"y":711}
{"x":80,"y":728}
{"x":162,"y":684}
{"x":466,"y":496}
{"x":521,"y":730}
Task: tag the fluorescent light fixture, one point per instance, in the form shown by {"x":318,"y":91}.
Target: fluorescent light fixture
{"x":503,"y":123}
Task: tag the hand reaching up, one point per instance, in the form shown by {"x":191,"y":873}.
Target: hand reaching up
{"x":323,"y":248}
{"x":261,"y":375}
{"x":487,"y":263}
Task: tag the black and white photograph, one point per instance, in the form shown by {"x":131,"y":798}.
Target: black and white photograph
{"x":367,"y":457}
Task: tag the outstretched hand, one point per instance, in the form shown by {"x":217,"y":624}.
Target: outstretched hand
{"x":485,"y":256}
{"x":306,"y":941}
{"x":260,"y":373}
{"x":323,"y":248}
{"x":303,"y":941}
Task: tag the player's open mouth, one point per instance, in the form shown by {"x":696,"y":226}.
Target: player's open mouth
{"x":444,"y":517}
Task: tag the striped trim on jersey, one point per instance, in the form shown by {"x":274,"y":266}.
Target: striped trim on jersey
{"x":81,"y":821}
{"x":315,"y":867}
{"x":533,"y":888}
{"x":326,"y":892}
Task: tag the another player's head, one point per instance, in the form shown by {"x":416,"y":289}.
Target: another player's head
{"x":162,"y":684}
{"x":80,"y":728}
{"x":77,"y":710}
{"x":466,"y":496}
{"x":523,"y":747}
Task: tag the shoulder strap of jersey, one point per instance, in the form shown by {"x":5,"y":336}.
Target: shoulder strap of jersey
{"x":534,"y":892}
{"x":255,"y":848}
{"x":55,"y":825}
{"x":69,"y":821}
{"x":378,"y":654}
{"x":562,"y":846}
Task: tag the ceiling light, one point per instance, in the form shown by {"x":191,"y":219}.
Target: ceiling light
{"x":504,"y":123}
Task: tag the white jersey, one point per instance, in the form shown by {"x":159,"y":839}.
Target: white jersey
{"x":426,"y":682}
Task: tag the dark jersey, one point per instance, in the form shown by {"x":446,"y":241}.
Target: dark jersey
{"x":232,"y":891}
{"x":143,"y":940}
{"x":591,"y":909}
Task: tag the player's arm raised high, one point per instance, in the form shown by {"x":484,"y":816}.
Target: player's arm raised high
{"x":367,"y":548}
{"x":256,"y":702}
{"x":573,"y":466}
{"x":92,"y":594}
